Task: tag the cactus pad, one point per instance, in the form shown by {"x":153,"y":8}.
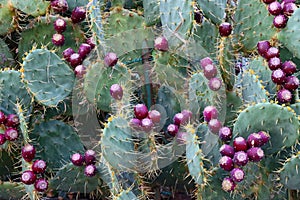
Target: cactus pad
{"x":7,"y":14}
{"x":6,"y":58}
{"x":34,"y":8}
{"x":289,"y":174}
{"x":213,"y":9}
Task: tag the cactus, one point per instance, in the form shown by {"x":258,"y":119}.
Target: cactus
{"x":151,"y":135}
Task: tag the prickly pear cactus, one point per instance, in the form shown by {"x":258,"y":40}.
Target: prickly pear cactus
{"x":141,"y":99}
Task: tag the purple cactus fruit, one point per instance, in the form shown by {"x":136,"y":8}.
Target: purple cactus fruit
{"x":111,"y":59}
{"x":2,"y":139}
{"x":140,"y":111}
{"x":58,"y":39}
{"x":2,"y":118}
{"x":80,"y":71}
{"x":264,"y":136}
{"x":225,"y":133}
{"x":155,"y":116}
{"x":289,"y":67}
{"x":41,"y":185}
{"x":225,"y":29}
{"x":274,"y":8}
{"x":136,"y":123}
{"x":60,"y":25}
{"x":291,"y":83}
{"x":59,"y":6}
{"x":161,"y":44}
{"x":172,"y":129}
{"x":262,"y":47}
{"x":147,"y":124}
{"x":214,"y":126}
{"x":77,"y":159}
{"x":75,"y":59}
{"x":206,"y":61}
{"x":178,"y":119}
{"x":78,"y":14}
{"x":84,"y":49}
{"x":39,"y":166}
{"x":11,"y":134}
{"x":272,"y":52}
{"x":181,"y":137}
{"x":28,"y":152}
{"x":288,"y":8}
{"x":91,"y":42}
{"x":12,"y":120}
{"x":227,"y":150}
{"x":67,"y":53}
{"x":187,"y":116}
{"x":240,"y":144}
{"x":28,"y":177}
{"x":284,"y":96}
{"x":226,"y":163}
{"x":209,"y":113}
{"x":255,"y":154}
{"x":237,"y":174}
{"x":215,"y":84}
{"x":280,"y":21}
{"x":278,"y":76}
{"x":90,"y":157}
{"x":210,"y":71}
{"x":228,"y":184}
{"x":274,"y":63}
{"x":116,"y":91}
{"x":90,"y":170}
{"x":254,"y":140}
{"x":288,"y":1}
{"x":240,"y":158}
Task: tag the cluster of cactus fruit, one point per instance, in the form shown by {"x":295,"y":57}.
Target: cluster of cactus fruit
{"x":150,"y":99}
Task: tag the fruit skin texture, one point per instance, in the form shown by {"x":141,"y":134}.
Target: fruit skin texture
{"x":12,"y":120}
{"x":110,"y":59}
{"x":28,"y":152}
{"x":41,"y":185}
{"x":39,"y":166}
{"x":60,"y":25}
{"x":210,"y":71}
{"x":80,"y":71}
{"x":289,"y":67}
{"x":214,"y":125}
{"x":75,"y":59}
{"x":84,"y":49}
{"x":262,"y":47}
{"x":116,"y":91}
{"x":78,"y":15}
{"x":90,"y":170}
{"x":90,"y":157}
{"x":274,"y":8}
{"x":206,"y":61}
{"x":280,"y":21}
{"x":254,"y":140}
{"x":226,"y":163}
{"x":225,"y":133}
{"x":147,"y":124}
{"x":227,"y":150}
{"x":240,"y":144}
{"x":140,"y":111}
{"x":154,"y":115}
{"x":240,"y":158}
{"x":274,"y":63}
{"x":210,"y":112}
{"x":28,"y":177}
{"x":264,"y":136}
{"x":11,"y":134}
{"x":59,"y":6}
{"x":58,"y":39}
{"x":255,"y":154}
{"x":284,"y":96}
{"x":225,"y":29}
{"x":172,"y":129}
{"x":237,"y":174}
{"x":161,"y":44}
{"x":291,"y":83}
{"x":77,"y":159}
{"x":278,"y":76}
{"x":67,"y":53}
{"x":215,"y":84}
{"x":2,"y":139}
{"x":228,"y":184}
{"x":2,"y":117}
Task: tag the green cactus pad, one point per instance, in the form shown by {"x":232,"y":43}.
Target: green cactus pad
{"x":296,"y":108}
{"x":289,"y":174}
{"x":207,"y":41}
{"x":7,"y":14}
{"x":98,"y":80}
{"x":278,"y":121}
{"x":253,"y":24}
{"x":12,"y":91}
{"x":117,"y":144}
{"x":177,"y":16}
{"x":213,"y":9}
{"x":234,"y":102}
{"x":76,"y":3}
{"x":39,"y":33}
{"x":194,"y":158}
{"x":252,"y":90}
{"x":71,"y":178}
{"x":34,"y":8}
{"x":12,"y":190}
{"x":289,"y":35}
{"x":6,"y":58}
{"x":201,"y":96}
{"x":49,"y":79}
{"x":7,"y":162}
{"x":151,"y":12}
{"x":263,"y":73}
{"x":126,"y":195}
{"x":55,"y":142}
